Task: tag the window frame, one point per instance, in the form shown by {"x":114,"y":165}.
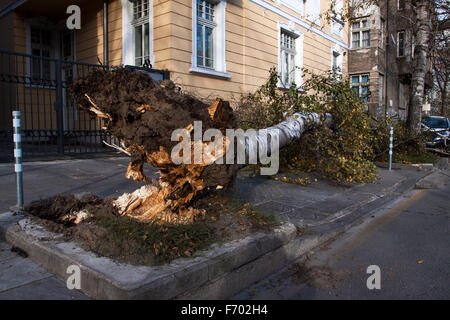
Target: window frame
{"x":128,"y":43}
{"x":398,"y":44}
{"x":41,"y":46}
{"x":291,"y":52}
{"x":141,"y":22}
{"x":219,"y":69}
{"x":360,"y":84}
{"x":206,"y":23}
{"x":361,"y":30}
{"x":40,"y":23}
{"x":294,"y":32}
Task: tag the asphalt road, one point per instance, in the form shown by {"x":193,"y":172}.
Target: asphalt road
{"x":409,"y":240}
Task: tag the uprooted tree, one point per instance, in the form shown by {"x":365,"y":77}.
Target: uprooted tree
{"x":143,"y":114}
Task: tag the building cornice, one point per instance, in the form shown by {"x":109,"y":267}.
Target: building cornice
{"x":282,"y":13}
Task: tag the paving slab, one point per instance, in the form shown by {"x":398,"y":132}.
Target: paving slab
{"x":50,"y":288}
{"x":5,"y":251}
{"x":19,"y":271}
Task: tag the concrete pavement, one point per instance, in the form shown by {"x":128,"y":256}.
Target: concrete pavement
{"x":320,"y":207}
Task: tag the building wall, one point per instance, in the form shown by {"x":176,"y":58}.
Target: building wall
{"x":252,"y":36}
{"x":251,"y":45}
{"x":371,"y":60}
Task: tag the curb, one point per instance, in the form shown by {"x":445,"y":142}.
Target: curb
{"x":410,"y":166}
{"x":103,"y":278}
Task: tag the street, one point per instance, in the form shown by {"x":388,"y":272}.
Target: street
{"x":409,"y":240}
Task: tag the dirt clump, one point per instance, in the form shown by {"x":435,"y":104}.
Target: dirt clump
{"x":125,"y":239}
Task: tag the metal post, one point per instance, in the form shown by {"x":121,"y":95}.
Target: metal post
{"x":391,"y":146}
{"x":18,"y":158}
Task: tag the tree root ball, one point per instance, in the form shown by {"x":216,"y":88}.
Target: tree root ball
{"x":142,"y":114}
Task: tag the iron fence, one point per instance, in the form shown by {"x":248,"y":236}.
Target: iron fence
{"x":52,"y":125}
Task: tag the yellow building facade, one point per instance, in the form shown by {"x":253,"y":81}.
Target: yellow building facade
{"x":211,"y":47}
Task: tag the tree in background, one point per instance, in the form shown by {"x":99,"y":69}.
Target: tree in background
{"x":420,"y":25}
{"x":440,"y":56}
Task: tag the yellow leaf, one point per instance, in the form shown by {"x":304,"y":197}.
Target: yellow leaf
{"x":420,"y":261}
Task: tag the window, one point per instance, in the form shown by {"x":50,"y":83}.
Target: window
{"x":312,"y":8}
{"x":401,"y":38}
{"x":41,"y":46}
{"x":141,"y":32}
{"x":137,"y":32}
{"x":355,"y":39}
{"x":205,"y":28}
{"x":336,"y":63}
{"x":360,"y":85}
{"x":209,"y":38}
{"x":360,"y":34}
{"x":288,"y":54}
{"x":401,"y":4}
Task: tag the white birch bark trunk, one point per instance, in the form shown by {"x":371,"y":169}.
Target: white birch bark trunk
{"x":419,"y":70}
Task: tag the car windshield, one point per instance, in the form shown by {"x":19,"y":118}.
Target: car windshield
{"x":436,"y":123}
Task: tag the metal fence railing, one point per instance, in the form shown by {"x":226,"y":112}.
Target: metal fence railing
{"x":52,"y":125}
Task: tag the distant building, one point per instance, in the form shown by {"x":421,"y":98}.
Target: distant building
{"x":380,"y":56}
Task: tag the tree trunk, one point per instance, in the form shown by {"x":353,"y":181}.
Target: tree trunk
{"x":444,"y":100}
{"x":422,"y":34}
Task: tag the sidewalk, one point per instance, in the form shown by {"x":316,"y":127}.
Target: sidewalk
{"x":318,"y":208}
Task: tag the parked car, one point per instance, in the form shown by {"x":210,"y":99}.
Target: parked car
{"x":439,"y":131}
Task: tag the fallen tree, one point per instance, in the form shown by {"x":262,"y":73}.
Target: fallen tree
{"x":143,"y":114}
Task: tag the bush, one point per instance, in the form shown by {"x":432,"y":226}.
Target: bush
{"x":341,"y":153}
{"x":406,"y":147}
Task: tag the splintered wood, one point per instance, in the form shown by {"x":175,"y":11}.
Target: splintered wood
{"x":142,"y":114}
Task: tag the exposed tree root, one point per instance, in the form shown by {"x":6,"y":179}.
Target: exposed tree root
{"x":142,"y":114}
